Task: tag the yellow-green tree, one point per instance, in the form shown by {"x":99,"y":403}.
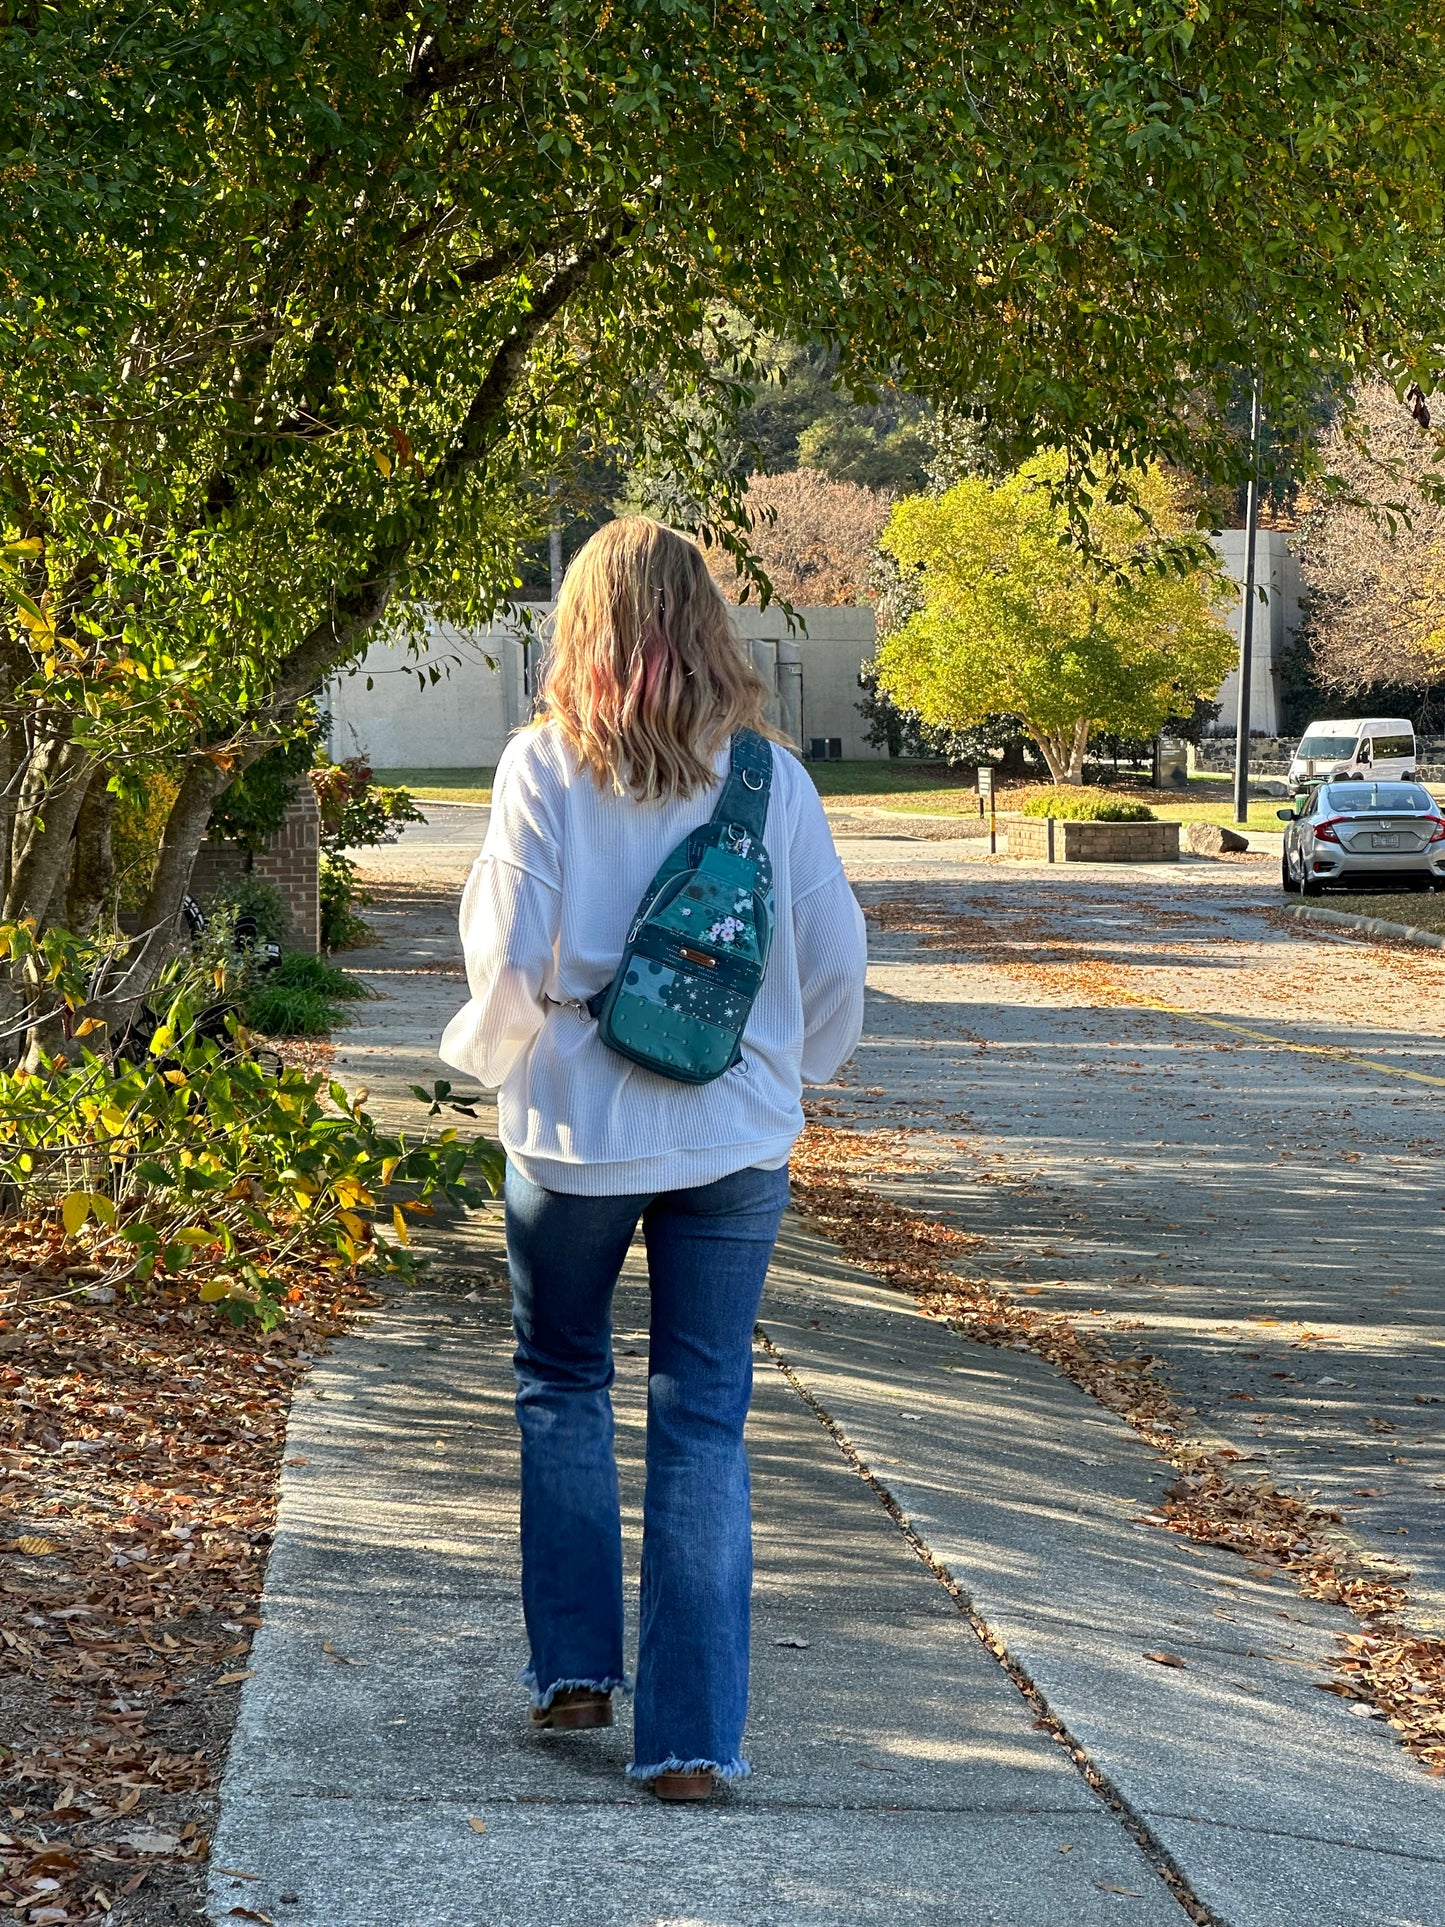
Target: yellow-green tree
{"x":1119,"y":633}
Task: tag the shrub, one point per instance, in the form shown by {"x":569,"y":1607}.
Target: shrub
{"x":279,"y":1010}
{"x":195,"y":1161}
{"x":1085,"y":806}
{"x":299,"y":998}
{"x":301,"y":972}
{"x":356,"y":813}
{"x":247,"y":896}
{"x":341,"y":928}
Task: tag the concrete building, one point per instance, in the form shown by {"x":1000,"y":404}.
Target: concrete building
{"x":389,"y":710}
{"x":1276,"y":620}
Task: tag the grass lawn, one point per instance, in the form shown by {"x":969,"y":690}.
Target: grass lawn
{"x":1422,"y":908}
{"x":440,"y":785}
{"x":933,"y":790}
{"x":930,"y":789}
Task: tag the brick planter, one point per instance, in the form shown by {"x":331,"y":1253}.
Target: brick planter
{"x":289,"y":863}
{"x":1028,"y":841}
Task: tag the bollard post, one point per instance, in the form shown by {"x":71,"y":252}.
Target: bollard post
{"x":1050,"y":835}
{"x":986,"y":803}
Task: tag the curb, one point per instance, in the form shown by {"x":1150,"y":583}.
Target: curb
{"x":1367,"y":926}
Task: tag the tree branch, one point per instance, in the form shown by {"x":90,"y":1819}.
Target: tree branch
{"x":353,"y":614}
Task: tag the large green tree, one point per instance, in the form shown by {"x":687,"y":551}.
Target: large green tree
{"x":310,"y":311}
{"x":1118,"y":634}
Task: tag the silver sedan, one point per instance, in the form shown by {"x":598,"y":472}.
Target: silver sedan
{"x":1362,"y":834}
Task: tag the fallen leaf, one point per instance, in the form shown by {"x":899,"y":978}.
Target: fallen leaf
{"x":151,"y":1840}
{"x":1108,"y":1887}
{"x":57,"y":1859}
{"x":234,"y":1679}
{"x":801,"y":1644}
{"x":251,"y":1913}
{"x":477,"y":1826}
{"x":1165,"y":1659}
{"x":338,"y":1659}
{"x":31,"y":1543}
{"x":296,"y":1461}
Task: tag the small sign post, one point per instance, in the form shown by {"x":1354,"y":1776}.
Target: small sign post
{"x":986,"y":805}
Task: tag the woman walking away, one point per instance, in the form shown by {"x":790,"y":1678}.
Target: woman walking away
{"x":649,"y":1036}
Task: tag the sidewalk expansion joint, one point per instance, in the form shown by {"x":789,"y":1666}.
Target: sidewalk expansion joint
{"x":1160,"y":1859}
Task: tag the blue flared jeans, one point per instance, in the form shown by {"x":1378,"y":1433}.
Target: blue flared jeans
{"x":707,"y":1255}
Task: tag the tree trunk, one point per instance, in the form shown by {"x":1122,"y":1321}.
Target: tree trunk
{"x":181,"y":840}
{"x":92,"y":866}
{"x":55,"y":787}
{"x":1054,"y":755}
{"x":1076,"y":752}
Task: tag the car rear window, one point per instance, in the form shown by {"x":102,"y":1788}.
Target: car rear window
{"x":1317,"y":748}
{"x":1392,"y":746}
{"x":1356,"y":798}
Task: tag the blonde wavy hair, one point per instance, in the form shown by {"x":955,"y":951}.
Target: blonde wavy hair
{"x":645,"y":678}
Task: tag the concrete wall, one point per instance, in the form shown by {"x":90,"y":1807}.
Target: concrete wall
{"x":386,"y":712}
{"x":485,"y":689}
{"x":1276,"y":618}
{"x":829,"y":649}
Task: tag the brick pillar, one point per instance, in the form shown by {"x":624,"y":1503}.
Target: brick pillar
{"x":216,"y":865}
{"x":290,"y":862}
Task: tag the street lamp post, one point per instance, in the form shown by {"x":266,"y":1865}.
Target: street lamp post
{"x":1246,"y":619}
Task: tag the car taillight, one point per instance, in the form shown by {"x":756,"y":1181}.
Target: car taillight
{"x":1437,"y":833}
{"x":1325,"y":832}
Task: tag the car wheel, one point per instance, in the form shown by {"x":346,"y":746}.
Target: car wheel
{"x":1288,"y":881}
{"x":1310,"y":886}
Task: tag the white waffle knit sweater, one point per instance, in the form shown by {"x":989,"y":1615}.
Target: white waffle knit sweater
{"x":544,"y":919}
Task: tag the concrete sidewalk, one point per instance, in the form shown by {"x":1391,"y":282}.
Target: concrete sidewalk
{"x":383,"y":1769}
{"x":899,"y":1774}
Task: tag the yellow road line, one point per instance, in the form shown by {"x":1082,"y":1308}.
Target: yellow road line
{"x":1287,"y":1043}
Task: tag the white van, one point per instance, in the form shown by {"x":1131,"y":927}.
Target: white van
{"x":1378,"y":746}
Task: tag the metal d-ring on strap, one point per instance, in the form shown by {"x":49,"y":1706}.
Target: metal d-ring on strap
{"x":743,"y":804}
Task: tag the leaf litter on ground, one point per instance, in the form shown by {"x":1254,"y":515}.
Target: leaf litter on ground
{"x":140,"y":1443}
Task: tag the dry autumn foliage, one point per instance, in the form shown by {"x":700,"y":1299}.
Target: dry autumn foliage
{"x":138,"y":1464}
{"x":813,"y":537}
{"x":1375,"y":582}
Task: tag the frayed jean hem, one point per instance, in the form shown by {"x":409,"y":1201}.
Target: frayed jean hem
{"x":735,"y":1770}
{"x":617,"y":1683}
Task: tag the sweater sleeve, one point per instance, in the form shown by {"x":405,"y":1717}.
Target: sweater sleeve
{"x":509,"y":922}
{"x":510,"y":919}
{"x":832,"y":945}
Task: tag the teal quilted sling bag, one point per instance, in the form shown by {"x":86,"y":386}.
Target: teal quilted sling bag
{"x":699,"y":943}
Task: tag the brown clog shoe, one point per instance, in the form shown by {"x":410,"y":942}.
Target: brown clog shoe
{"x":684,"y":1786}
{"x":574,"y":1710}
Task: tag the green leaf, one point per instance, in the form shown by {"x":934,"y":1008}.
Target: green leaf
{"x":74,"y":1211}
